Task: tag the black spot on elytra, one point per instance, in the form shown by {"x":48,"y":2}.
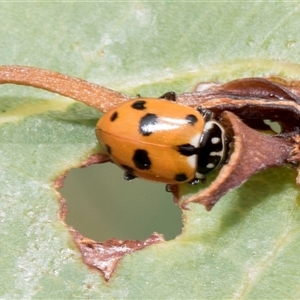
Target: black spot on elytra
{"x":139,"y":105}
{"x":147,"y":124}
{"x":180,"y":177}
{"x":141,"y":159}
{"x":186,"y":149}
{"x":192,"y":119}
{"x":108,"y":149}
{"x":114,"y":116}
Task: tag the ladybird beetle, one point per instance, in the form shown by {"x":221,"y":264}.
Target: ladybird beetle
{"x":161,"y":140}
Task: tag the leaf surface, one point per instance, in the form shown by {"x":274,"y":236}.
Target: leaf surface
{"x":246,"y":247}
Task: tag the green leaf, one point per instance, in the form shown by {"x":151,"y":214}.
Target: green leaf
{"x":246,"y":247}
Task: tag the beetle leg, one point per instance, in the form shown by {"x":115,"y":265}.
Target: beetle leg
{"x":169,"y":96}
{"x":195,"y":181}
{"x":128,"y":176}
{"x":169,"y":188}
{"x":206,"y":113}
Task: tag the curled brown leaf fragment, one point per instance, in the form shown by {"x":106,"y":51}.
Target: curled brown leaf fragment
{"x":253,"y":100}
{"x":244,"y":105}
{"x":253,"y":152}
{"x":106,"y":255}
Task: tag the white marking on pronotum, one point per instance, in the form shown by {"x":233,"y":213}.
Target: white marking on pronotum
{"x":210,"y":166}
{"x":199,"y":175}
{"x":215,"y":140}
{"x":220,"y":153}
{"x":209,"y":125}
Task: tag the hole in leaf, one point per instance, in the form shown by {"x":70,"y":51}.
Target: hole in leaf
{"x":102,"y":205}
{"x":275,"y":126}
